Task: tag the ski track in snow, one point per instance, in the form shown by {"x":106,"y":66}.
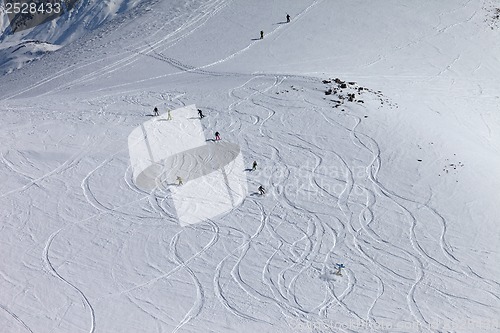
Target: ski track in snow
{"x":444,"y":247}
{"x":200,"y":293}
{"x":16,"y":318}
{"x":53,"y":271}
{"x":419,"y":272}
{"x":71,"y":163}
{"x":286,"y":291}
{"x":235,"y":274}
{"x":366,"y":217}
{"x":317,"y":241}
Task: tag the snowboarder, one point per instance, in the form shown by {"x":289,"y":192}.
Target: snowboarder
{"x":217,"y":136}
{"x":156,"y":112}
{"x":339,"y":269}
{"x":287,"y":18}
{"x":254,"y":165}
{"x":179,"y":181}
{"x":200,"y":113}
{"x":169,"y":116}
{"x":261,"y":34}
{"x":262,"y":190}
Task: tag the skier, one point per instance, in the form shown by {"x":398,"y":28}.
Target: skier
{"x":217,"y":136}
{"x":261,"y":34}
{"x":200,"y":113}
{"x":262,"y":191}
{"x":156,"y":112}
{"x":339,"y":269}
{"x":287,"y":18}
{"x":254,"y":165}
{"x":169,"y":116}
{"x":179,"y":181}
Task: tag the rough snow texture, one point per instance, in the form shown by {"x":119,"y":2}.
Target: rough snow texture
{"x":402,"y":188}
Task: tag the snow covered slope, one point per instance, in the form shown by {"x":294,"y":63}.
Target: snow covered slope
{"x":376,"y":131}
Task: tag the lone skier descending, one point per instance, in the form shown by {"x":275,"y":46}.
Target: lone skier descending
{"x":169,"y":116}
{"x":254,"y":166}
{"x":261,"y":34}
{"x":339,"y":269}
{"x":156,"y":112}
{"x":179,"y":181}
{"x":262,"y":191}
{"x":287,"y":18}
{"x":217,"y":136}
{"x":200,"y":114}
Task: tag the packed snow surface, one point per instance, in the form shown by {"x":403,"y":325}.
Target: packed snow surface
{"x":376,"y":129}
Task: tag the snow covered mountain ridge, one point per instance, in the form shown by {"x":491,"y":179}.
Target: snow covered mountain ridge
{"x":79,"y":18}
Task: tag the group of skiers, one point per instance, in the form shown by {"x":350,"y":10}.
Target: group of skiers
{"x":179,"y":180}
{"x":262,"y":31}
{"x":261,"y":188}
{"x":156,"y":113}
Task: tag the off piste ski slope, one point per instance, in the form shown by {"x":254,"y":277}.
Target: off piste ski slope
{"x":391,"y":170}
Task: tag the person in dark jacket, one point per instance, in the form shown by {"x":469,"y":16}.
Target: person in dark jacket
{"x":217,"y":136}
{"x":262,"y":190}
{"x":156,"y":112}
{"x":254,"y":165}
